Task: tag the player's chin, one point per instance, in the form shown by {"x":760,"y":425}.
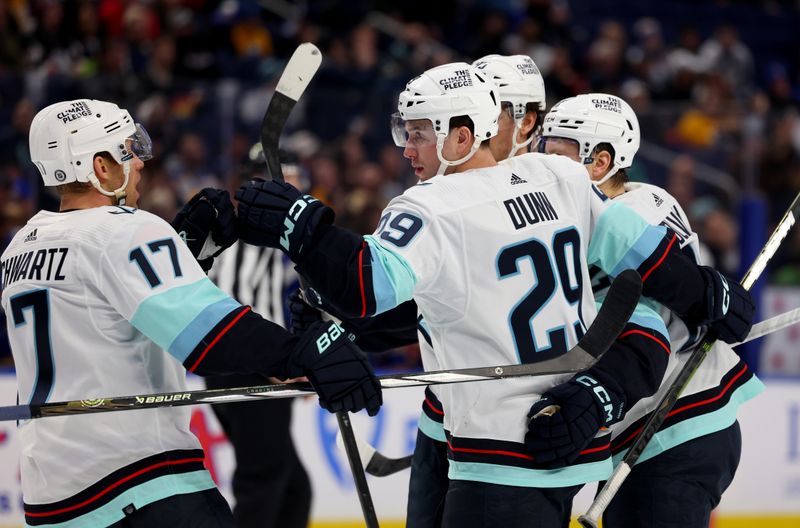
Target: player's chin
{"x":423,"y":174}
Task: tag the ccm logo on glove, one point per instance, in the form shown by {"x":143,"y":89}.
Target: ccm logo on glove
{"x":292,"y":215}
{"x":601,"y":395}
{"x":726,"y":295}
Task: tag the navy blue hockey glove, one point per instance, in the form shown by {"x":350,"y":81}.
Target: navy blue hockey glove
{"x":303,"y":315}
{"x":207,"y":224}
{"x":275,"y":214}
{"x":337,"y":368}
{"x":557,"y":435}
{"x":729,"y":308}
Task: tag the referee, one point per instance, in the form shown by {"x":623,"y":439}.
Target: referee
{"x":270,"y":485}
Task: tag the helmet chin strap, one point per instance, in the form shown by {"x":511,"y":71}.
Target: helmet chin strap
{"x":443,"y":163}
{"x":611,"y":172}
{"x":514,"y":145}
{"x":118,"y":194}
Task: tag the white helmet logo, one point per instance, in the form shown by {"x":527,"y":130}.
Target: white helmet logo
{"x":60,"y":175}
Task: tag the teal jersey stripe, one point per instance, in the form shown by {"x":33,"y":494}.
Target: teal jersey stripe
{"x":622,"y":239}
{"x":188,"y":339}
{"x":643,"y":315}
{"x":165,"y":316}
{"x":140,"y":496}
{"x":393,"y":280}
{"x":531,"y":478}
{"x":698,"y":426}
{"x":431,"y":429}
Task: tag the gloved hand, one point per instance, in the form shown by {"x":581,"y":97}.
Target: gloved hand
{"x":729,"y":308}
{"x":557,"y":436}
{"x":303,"y":315}
{"x":275,"y":214}
{"x":337,"y":368}
{"x":207,"y":224}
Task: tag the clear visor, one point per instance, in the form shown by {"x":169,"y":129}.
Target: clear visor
{"x":558,"y":145}
{"x":140,"y":143}
{"x":415,"y":133}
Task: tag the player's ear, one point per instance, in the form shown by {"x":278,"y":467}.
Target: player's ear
{"x":101,"y":168}
{"x":528,"y":123}
{"x":465,"y":139}
{"x":601,"y":165}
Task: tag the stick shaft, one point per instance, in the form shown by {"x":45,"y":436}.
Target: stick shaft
{"x":667,"y":401}
{"x":357,"y":469}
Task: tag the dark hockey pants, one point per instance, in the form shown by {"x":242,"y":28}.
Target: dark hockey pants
{"x":202,"y":509}
{"x":680,"y":487}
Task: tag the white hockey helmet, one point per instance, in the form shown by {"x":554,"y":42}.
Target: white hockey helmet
{"x":519,"y":82}
{"x":444,"y":92}
{"x":65,"y":136}
{"x":591,"y":119}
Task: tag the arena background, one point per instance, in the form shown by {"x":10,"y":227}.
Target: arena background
{"x":716,"y":86}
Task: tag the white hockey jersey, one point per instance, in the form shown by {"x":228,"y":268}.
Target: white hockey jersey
{"x":499,"y":258}
{"x":722,"y":382}
{"x":104,"y":302}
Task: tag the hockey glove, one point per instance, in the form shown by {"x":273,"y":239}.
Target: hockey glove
{"x":207,"y":224}
{"x":729,"y":308}
{"x":303,"y":315}
{"x":275,"y":214}
{"x":557,"y":436}
{"x":337,"y":368}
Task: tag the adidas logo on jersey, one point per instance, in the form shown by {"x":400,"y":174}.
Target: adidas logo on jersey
{"x":659,"y":200}
{"x":515,"y":180}
{"x":31,"y":236}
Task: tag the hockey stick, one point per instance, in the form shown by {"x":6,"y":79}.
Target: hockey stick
{"x":615,"y":312}
{"x":295,"y":78}
{"x":771,"y":325}
{"x":612,"y":485}
{"x":379,"y":465}
{"x":375,"y":463}
{"x":299,"y":71}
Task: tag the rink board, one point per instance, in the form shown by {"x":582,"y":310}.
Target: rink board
{"x":767,"y":483}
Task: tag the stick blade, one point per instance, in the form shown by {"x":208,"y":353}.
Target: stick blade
{"x":297,"y":75}
{"x":619,"y":304}
{"x":299,"y":71}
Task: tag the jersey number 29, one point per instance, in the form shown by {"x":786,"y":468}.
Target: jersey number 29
{"x":548,"y":279}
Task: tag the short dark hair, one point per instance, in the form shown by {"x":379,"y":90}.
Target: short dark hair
{"x":534,"y":108}
{"x":466,"y":121}
{"x":463,"y":120}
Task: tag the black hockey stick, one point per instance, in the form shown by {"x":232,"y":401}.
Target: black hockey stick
{"x":657,"y":417}
{"x":379,"y":465}
{"x":295,"y":78}
{"x":299,"y":71}
{"x":615,"y":312}
{"x":376,"y":463}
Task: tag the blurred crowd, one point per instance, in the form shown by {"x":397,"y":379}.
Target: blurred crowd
{"x":716,"y":86}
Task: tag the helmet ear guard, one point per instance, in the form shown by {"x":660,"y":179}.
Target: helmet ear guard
{"x":66,"y":136}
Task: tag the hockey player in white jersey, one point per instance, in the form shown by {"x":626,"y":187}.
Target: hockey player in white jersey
{"x":104,"y":299}
{"x":521,"y":92}
{"x":520,"y":88}
{"x":691,"y":461}
{"x":497,"y":263}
